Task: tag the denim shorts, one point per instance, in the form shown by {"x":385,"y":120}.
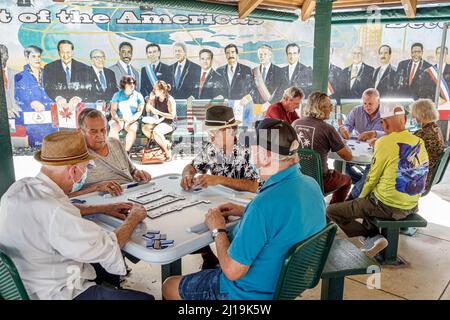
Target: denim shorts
{"x":203,"y":285}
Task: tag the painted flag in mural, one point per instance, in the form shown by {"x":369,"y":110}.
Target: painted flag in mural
{"x":443,"y":88}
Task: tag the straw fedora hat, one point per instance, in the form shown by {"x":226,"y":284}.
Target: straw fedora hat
{"x":63,"y":148}
{"x":220,"y":117}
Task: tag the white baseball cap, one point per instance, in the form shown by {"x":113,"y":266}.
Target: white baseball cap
{"x":388,"y":109}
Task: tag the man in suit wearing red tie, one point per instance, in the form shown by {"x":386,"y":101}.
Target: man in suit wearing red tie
{"x":411,"y":76}
{"x":238,"y":77}
{"x":211,"y":84}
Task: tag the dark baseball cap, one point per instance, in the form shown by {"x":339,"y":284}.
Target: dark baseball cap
{"x":277,"y":136}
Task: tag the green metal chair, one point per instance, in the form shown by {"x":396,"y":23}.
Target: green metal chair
{"x":311,"y":165}
{"x":11,"y":286}
{"x":439,"y":170}
{"x":304,"y":263}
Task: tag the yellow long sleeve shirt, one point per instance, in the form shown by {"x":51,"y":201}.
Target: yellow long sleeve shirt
{"x":398,"y":171}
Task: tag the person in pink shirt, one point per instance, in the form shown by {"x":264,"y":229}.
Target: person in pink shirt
{"x":285,"y":109}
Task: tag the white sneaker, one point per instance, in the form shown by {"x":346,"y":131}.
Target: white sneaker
{"x":374,"y":245}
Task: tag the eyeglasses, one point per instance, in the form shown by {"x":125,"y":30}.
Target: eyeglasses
{"x":98,"y":57}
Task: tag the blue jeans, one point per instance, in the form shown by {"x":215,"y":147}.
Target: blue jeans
{"x":202,"y":285}
{"x":359,"y":185}
{"x":350,"y":171}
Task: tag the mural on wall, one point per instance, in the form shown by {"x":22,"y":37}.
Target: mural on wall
{"x":59,"y":58}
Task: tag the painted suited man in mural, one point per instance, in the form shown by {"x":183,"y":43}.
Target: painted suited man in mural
{"x":185,"y":73}
{"x":103,"y":80}
{"x":334,"y":76}
{"x":210,"y":84}
{"x":385,"y":75}
{"x":296,"y":73}
{"x":8,"y":83}
{"x":446,"y":68}
{"x":412,"y":79}
{"x":237,"y":76}
{"x":123,"y":67}
{"x":155,"y":70}
{"x":357,"y":77}
{"x":66,"y":78}
{"x":32,"y":98}
{"x":267,"y":78}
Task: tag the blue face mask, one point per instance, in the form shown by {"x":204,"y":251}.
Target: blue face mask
{"x":78,"y":185}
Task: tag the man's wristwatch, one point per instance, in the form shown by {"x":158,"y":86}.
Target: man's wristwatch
{"x":215,"y":232}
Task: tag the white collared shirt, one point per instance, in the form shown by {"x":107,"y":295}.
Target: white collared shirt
{"x":97,"y":71}
{"x":381,"y":73}
{"x":207,"y":73}
{"x":231,"y":73}
{"x":292,"y":69}
{"x":182,"y":66}
{"x":125,"y":67}
{"x":267,"y":66}
{"x":67,"y":65}
{"x":49,"y":242}
{"x":358,"y":68}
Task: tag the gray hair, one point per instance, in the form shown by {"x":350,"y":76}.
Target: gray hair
{"x":371,"y":92}
{"x":293,"y":92}
{"x":91,"y":54}
{"x":265,"y":46}
{"x":31,"y":49}
{"x":181,"y":45}
{"x":89,"y":113}
{"x":424,"y":110}
{"x":313,"y":107}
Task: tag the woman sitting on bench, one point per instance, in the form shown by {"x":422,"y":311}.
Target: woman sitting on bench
{"x":126,"y":108}
{"x":163,"y":107}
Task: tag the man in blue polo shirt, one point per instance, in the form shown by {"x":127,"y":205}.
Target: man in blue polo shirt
{"x":287,"y":209}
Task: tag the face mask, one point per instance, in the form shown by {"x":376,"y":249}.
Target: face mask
{"x":78,"y":185}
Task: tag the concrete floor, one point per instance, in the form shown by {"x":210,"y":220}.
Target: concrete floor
{"x":425,"y":276}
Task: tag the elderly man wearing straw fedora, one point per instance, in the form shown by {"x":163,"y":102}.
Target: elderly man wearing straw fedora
{"x":227,"y":162}
{"x":60,"y":255}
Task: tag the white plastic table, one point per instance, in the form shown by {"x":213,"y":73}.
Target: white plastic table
{"x":362,"y":154}
{"x":175,"y":225}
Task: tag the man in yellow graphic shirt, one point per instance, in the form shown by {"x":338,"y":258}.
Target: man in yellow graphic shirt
{"x":393,"y":186}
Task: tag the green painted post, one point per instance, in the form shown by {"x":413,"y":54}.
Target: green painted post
{"x":6,"y":161}
{"x":322,"y":37}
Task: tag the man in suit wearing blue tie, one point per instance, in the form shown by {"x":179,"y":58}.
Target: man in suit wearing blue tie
{"x":155,"y":70}
{"x":238,"y":77}
{"x":66,"y":77}
{"x":103,"y":80}
{"x":123,"y":67}
{"x":186,"y":74}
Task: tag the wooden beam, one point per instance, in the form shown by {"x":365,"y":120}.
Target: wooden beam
{"x":246,"y":7}
{"x":410,"y":7}
{"x":307,"y":9}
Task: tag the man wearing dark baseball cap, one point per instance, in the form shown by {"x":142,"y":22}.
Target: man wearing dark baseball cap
{"x":288,"y":208}
{"x":54,"y":249}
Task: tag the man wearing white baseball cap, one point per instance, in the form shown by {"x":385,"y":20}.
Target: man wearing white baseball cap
{"x":393,"y":186}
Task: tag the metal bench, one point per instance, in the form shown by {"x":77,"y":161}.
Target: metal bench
{"x":344,"y":259}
